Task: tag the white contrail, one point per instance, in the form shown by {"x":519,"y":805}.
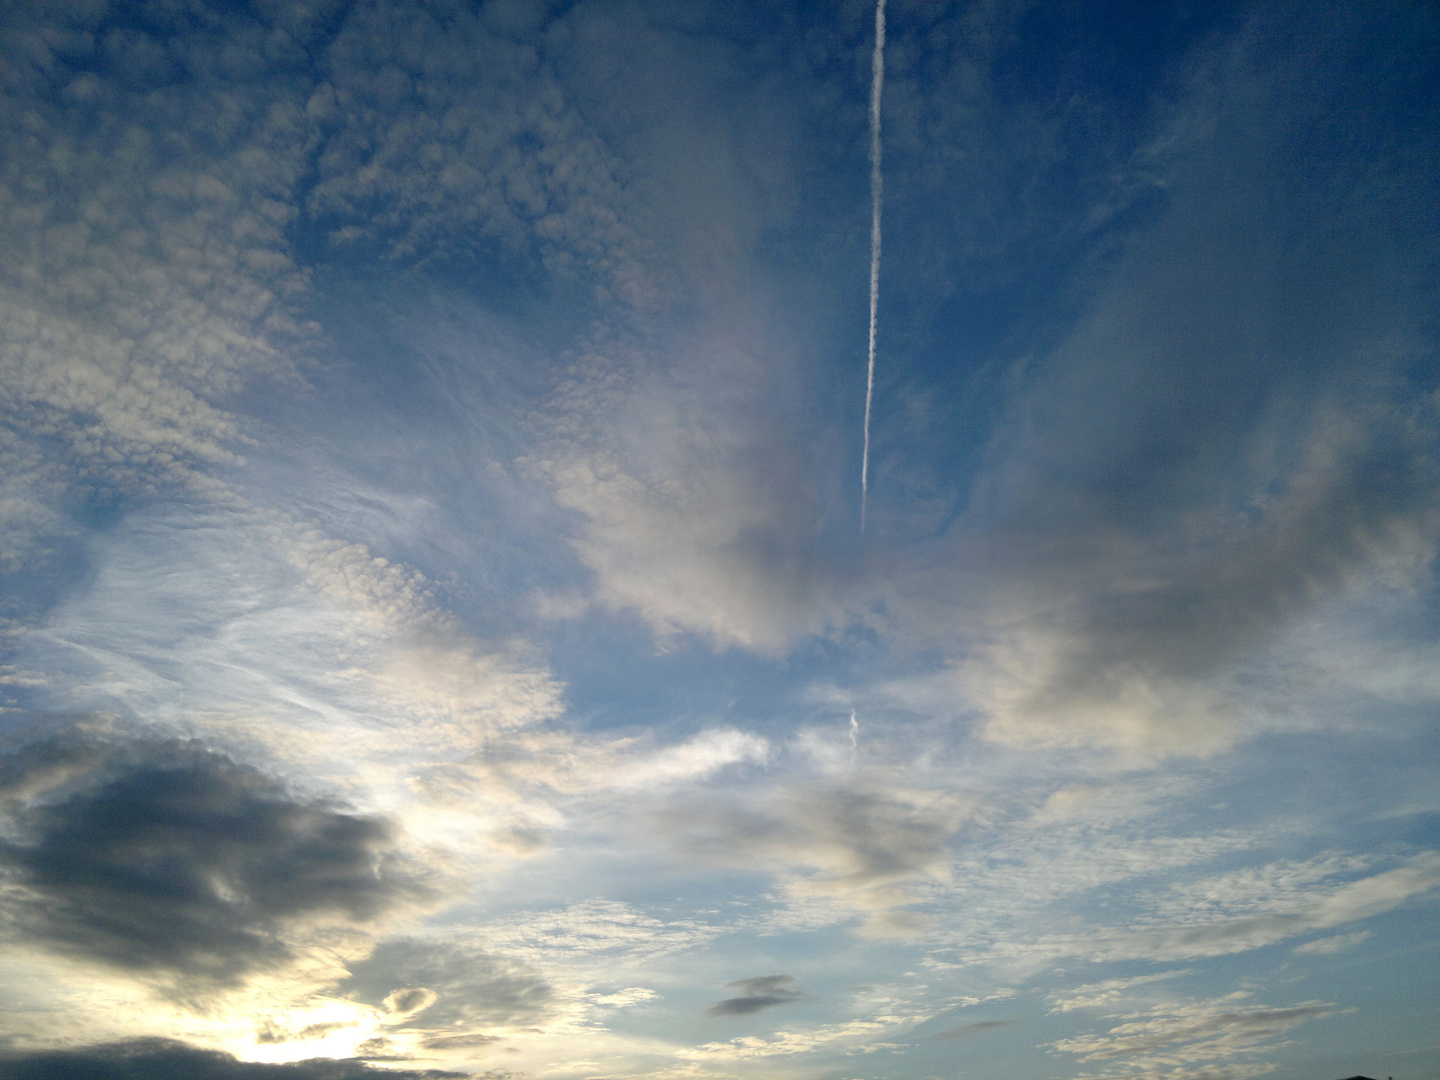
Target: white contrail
{"x":854,"y":737}
{"x":877,"y":82}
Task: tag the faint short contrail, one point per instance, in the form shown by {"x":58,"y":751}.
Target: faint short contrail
{"x":854,"y":737}
{"x":877,"y":82}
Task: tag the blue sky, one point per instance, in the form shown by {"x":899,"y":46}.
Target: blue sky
{"x":438,"y":633}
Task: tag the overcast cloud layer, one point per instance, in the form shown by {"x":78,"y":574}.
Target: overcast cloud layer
{"x":438,"y":637}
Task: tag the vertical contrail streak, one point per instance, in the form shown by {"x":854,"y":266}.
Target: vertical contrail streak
{"x":877,"y":82}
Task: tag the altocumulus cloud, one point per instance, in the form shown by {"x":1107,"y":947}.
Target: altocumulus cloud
{"x":168,"y":859}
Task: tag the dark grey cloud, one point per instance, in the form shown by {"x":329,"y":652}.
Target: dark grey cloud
{"x":760,"y":992}
{"x":456,"y":989}
{"x":165,"y":1059}
{"x":165,"y":857}
{"x":979,"y":1027}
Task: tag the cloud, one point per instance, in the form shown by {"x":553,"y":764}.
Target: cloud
{"x":609,"y":931}
{"x":1143,"y":665}
{"x":862,"y":1035}
{"x":1234,"y":437}
{"x":164,"y":858}
{"x":757,"y":994}
{"x":408,"y":1001}
{"x":445,"y":136}
{"x":448,"y":988}
{"x":695,"y":485}
{"x":1135,"y":894}
{"x":528,"y":767}
{"x":1093,"y":803}
{"x":1209,"y":916}
{"x":411,"y":653}
{"x":1327,"y":946}
{"x":297,"y":648}
{"x":1177,"y":1038}
{"x":1167,"y":499}
{"x":693,"y":449}
{"x":148,"y":273}
{"x":695,"y":759}
{"x":165,"y":1059}
{"x":1281,"y":914}
{"x":979,"y":1027}
{"x":1106,"y":994}
{"x":160,"y":275}
{"x":146,"y":209}
{"x":849,"y":841}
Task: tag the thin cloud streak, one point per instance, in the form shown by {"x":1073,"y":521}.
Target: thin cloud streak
{"x":877,"y":85}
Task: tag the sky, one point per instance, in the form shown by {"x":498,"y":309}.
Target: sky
{"x":438,"y":633}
